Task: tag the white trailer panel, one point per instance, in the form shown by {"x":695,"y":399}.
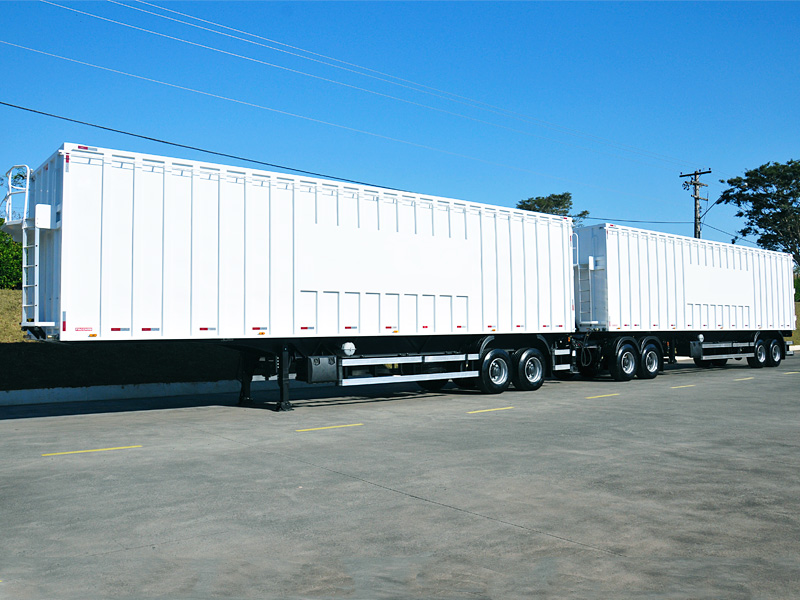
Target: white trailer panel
{"x":636,"y":280}
{"x":151,"y":247}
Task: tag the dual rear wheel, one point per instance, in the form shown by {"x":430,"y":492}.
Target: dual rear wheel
{"x":767,"y":353}
{"x":525,"y":368}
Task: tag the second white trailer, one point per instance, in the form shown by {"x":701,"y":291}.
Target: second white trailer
{"x":709,"y":300}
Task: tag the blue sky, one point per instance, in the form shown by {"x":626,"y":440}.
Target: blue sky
{"x":609,"y":101}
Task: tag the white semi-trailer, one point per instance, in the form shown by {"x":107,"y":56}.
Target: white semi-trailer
{"x":643,"y":296}
{"x":354,"y":285}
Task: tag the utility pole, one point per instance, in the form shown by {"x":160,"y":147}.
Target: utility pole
{"x":695,"y":182}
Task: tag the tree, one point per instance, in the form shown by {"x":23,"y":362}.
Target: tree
{"x":769,"y":199}
{"x":554,"y":204}
{"x":10,"y":262}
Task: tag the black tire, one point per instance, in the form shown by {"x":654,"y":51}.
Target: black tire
{"x":719,"y":362}
{"x":527,"y":369}
{"x":702,"y":363}
{"x":495,"y":372}
{"x":650,"y":362}
{"x":433,"y":385}
{"x":624,"y":363}
{"x":760,"y":358}
{"x":773,"y":353}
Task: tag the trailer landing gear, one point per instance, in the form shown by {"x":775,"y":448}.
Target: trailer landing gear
{"x":283,"y":381}
{"x":249,"y":364}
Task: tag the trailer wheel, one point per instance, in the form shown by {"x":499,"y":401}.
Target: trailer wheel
{"x":623,"y":366}
{"x":495,"y":370}
{"x":703,"y":363}
{"x":773,"y":353}
{"x":650,"y":362}
{"x":760,"y":358}
{"x":527,"y":369}
{"x":432,"y":385}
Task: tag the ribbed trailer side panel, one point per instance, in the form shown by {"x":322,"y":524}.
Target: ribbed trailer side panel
{"x":636,"y":280}
{"x":152,"y":247}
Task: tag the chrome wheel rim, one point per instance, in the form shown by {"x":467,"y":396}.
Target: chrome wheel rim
{"x":498,"y":371}
{"x":776,"y":352}
{"x":761,"y":353}
{"x":651,"y":361}
{"x":628,"y":362}
{"x":533,"y":370}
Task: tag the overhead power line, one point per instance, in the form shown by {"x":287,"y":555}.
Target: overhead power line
{"x":643,"y":153}
{"x":186,"y":146}
{"x":330,"y":124}
{"x":607,"y":220}
{"x":406,"y":83}
{"x":294,"y":169}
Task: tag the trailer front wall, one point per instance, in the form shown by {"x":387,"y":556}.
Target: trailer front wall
{"x":155,"y":247}
{"x":649,"y":281}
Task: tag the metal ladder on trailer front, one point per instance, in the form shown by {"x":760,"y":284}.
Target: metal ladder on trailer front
{"x":25,"y":229}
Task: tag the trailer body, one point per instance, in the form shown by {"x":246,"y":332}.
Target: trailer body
{"x":634,"y":280}
{"x":355,"y":285}
{"x":145,"y":247}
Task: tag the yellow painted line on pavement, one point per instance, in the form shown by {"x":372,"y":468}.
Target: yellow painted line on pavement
{"x":677,"y":387}
{"x":603,"y":396}
{"x":95,"y":450}
{"x":474,"y":412}
{"x":744,"y":379}
{"x":330,"y":427}
{"x":791,"y":372}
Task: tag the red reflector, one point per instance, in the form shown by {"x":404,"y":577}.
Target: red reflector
{"x":388,"y":327}
{"x":63,"y":326}
{"x":83,"y":147}
{"x":116,"y":329}
{"x":67,"y":158}
{"x":145,"y":329}
{"x":424,"y":326}
{"x":458,"y":326}
{"x":204,"y":329}
{"x":351,"y":327}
